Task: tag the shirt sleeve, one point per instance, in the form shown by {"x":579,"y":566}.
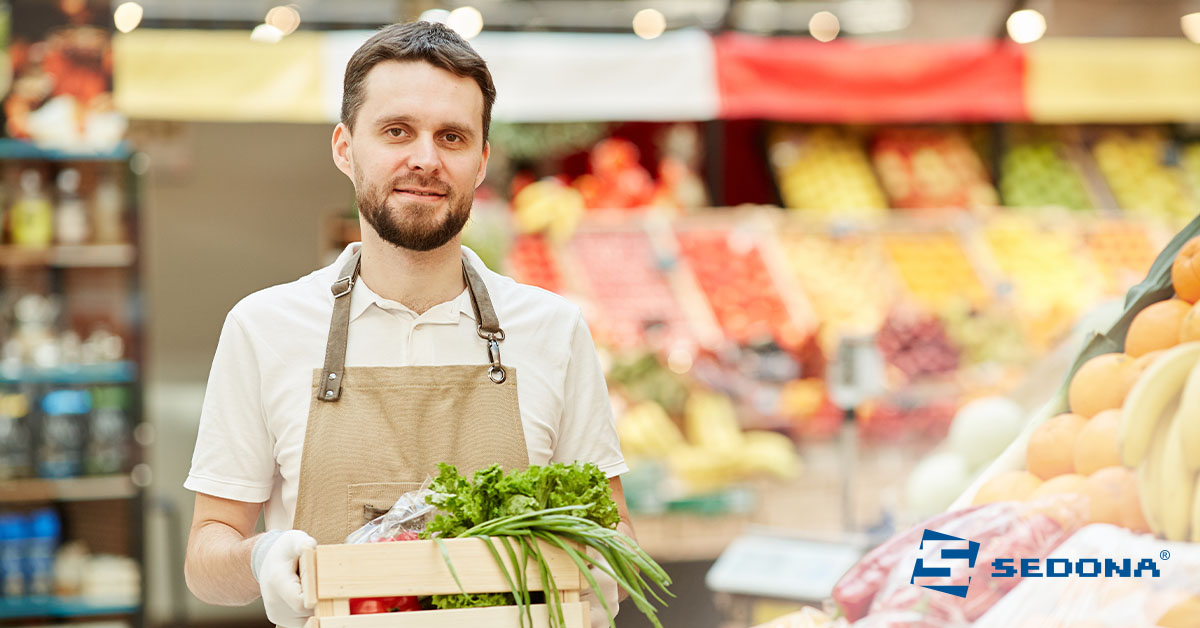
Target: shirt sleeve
{"x":234,"y":456}
{"x":588,"y":432}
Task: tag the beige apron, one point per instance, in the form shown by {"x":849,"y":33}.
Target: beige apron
{"x":375,"y":433}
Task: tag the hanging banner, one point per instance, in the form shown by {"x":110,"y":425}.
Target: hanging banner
{"x":219,"y":76}
{"x":1114,"y":80}
{"x":800,"y":79}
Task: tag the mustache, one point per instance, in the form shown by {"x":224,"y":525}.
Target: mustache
{"x":417,"y":181}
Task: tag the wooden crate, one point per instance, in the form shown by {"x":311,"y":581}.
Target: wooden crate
{"x":333,"y":574}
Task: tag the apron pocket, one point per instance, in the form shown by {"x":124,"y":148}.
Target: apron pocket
{"x":367,"y":501}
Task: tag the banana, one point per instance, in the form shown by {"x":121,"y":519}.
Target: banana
{"x":1177,"y":485}
{"x":1189,"y":431}
{"x":1148,"y":484}
{"x":1143,"y":408}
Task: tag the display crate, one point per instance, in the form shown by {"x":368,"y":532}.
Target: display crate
{"x":332,"y":575}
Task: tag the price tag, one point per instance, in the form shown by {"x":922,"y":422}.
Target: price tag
{"x":783,"y":568}
{"x":857,"y":372}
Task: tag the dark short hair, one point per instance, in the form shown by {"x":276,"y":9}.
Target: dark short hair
{"x":432,"y":43}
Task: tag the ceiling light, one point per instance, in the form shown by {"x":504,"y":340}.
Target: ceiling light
{"x":466,"y":21}
{"x":649,"y":23}
{"x":127,"y":16}
{"x":1026,"y":26}
{"x":285,"y":18}
{"x":824,"y":26}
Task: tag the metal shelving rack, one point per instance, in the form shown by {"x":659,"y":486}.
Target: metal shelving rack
{"x":111,"y":507}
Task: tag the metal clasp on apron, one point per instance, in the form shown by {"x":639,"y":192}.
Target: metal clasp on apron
{"x":496,"y":371}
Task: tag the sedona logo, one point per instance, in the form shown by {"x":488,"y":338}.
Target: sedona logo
{"x":1083,"y":567}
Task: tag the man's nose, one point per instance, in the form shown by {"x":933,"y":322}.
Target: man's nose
{"x":424,"y":155}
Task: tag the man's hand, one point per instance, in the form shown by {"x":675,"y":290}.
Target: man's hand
{"x":275,"y":562}
{"x":608,"y":588}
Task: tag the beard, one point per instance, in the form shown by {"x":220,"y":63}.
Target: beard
{"x":413,"y":225}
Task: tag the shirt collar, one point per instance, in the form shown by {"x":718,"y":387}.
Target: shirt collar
{"x":362,"y":297}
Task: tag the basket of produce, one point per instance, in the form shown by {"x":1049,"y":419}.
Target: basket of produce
{"x":495,"y":550}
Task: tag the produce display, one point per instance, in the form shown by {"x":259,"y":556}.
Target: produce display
{"x":1035,"y":171}
{"x":916,"y":343}
{"x":824,"y":169}
{"x":629,"y":286}
{"x":533,"y":263}
{"x":743,"y":296}
{"x":1051,"y":286}
{"x":716,"y":453}
{"x":845,"y":278}
{"x":931,"y":168}
{"x":935,"y":268}
{"x":1122,"y":251}
{"x":1134,"y":163}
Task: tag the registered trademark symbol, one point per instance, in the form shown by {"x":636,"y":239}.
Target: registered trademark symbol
{"x":1165,"y":555}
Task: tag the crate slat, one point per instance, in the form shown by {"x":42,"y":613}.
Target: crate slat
{"x":575,"y":613}
{"x":417,"y":568}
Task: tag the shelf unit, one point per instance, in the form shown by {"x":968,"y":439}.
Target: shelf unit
{"x":105,"y":511}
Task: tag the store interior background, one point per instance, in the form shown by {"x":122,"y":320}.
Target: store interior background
{"x":227,"y":208}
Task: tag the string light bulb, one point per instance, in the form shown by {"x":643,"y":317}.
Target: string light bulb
{"x":466,"y":21}
{"x":285,"y":18}
{"x":1190,"y":24}
{"x":649,"y":23}
{"x":1026,"y":26}
{"x":824,"y":26}
{"x":127,"y":16}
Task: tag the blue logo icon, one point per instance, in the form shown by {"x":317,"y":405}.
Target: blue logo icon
{"x":968,"y":553}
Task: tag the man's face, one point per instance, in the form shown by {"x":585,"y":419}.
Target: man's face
{"x":416,"y":154}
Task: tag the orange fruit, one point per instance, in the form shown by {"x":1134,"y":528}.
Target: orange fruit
{"x":1156,"y":327}
{"x":1099,"y":384}
{"x":1109,"y":489}
{"x":1013,"y":486}
{"x":1065,"y":484}
{"x":1138,"y":367}
{"x":1096,"y":446}
{"x":1051,"y":448}
{"x":1189,"y":330}
{"x":1118,"y":487}
{"x":1185,"y":271}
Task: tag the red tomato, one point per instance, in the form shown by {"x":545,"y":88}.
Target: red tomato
{"x":372,"y":605}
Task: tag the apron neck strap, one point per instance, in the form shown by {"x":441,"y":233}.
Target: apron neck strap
{"x":487,"y":324}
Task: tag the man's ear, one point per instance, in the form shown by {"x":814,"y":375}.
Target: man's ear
{"x":343,"y":157}
{"x":487,"y":152}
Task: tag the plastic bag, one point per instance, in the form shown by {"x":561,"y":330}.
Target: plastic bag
{"x":1002,"y":530}
{"x":1171,"y":599}
{"x":856,"y":589}
{"x":404,"y":521}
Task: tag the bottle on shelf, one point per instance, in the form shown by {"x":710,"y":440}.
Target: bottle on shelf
{"x":61,"y":442}
{"x":13,"y":536}
{"x":32,"y":215}
{"x":70,"y":218}
{"x":45,"y":532}
{"x":109,"y":431}
{"x":16,"y":460}
{"x":108,"y":220}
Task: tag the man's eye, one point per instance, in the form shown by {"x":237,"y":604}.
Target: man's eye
{"x":453,"y":137}
{"x":395,"y":132}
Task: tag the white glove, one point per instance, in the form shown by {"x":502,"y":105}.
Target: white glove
{"x":608,"y":587}
{"x":275,"y":562}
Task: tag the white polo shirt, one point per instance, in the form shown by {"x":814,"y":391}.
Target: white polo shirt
{"x":259,"y":390}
